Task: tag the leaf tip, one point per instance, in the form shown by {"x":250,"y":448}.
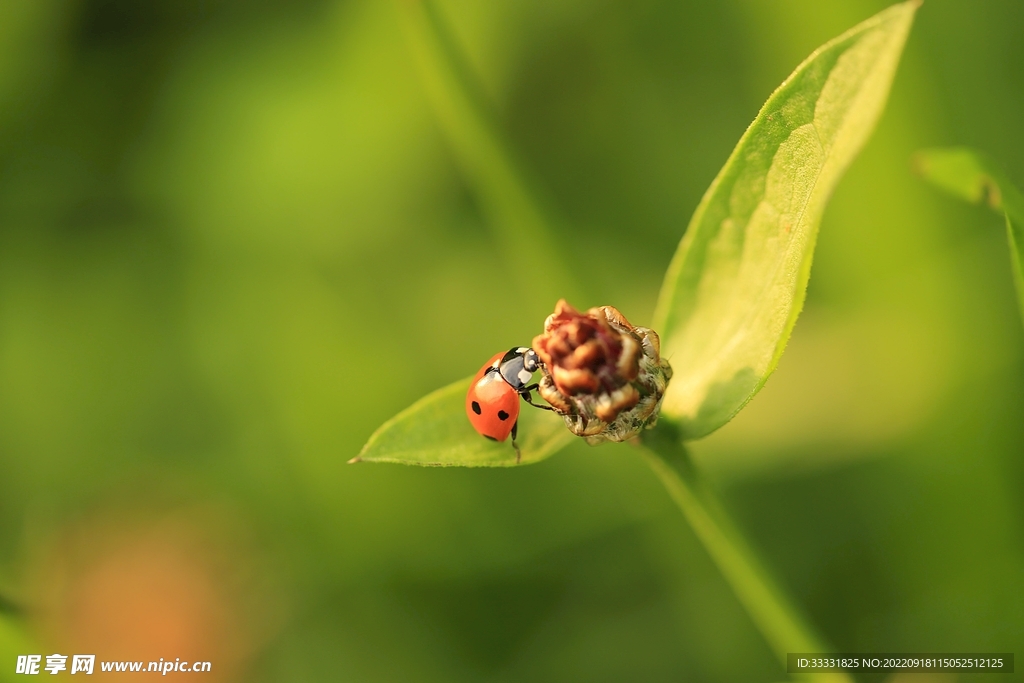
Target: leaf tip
{"x":903,"y":11}
{"x":356,"y":459}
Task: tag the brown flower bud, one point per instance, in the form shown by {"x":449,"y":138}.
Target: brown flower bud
{"x":604,"y":377}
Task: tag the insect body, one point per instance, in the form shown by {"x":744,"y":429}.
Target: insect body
{"x":492,"y":403}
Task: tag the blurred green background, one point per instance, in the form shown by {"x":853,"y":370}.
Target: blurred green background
{"x":234,"y":240}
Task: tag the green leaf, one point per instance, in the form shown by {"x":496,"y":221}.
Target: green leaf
{"x":435,"y":431}
{"x":737,"y":282}
{"x":972,"y":176}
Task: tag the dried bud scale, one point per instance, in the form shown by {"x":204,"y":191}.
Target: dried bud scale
{"x":605,"y":377}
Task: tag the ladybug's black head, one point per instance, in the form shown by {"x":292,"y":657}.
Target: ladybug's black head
{"x":518,"y":365}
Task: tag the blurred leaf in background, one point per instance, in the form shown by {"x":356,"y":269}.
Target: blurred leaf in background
{"x":233,"y":241}
{"x":971,"y":176}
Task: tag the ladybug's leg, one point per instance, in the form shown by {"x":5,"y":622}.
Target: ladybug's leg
{"x":528,"y":398}
{"x":525,"y":393}
{"x":515,"y":428}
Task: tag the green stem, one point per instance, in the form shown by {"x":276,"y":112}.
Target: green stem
{"x":779,"y":622}
{"x":520,"y":225}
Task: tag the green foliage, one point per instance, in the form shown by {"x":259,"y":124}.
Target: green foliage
{"x":737,"y":282}
{"x":736,"y":285}
{"x":236,"y":238}
{"x":973,"y":177}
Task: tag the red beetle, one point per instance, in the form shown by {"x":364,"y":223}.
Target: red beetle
{"x":492,"y":403}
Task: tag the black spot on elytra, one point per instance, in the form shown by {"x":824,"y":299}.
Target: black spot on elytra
{"x":502,"y":415}
{"x":490,"y":437}
{"x":476,"y":407}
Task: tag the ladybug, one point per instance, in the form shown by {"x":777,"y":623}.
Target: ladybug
{"x":492,"y":403}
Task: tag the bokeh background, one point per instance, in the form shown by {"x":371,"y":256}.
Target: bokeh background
{"x":234,"y":240}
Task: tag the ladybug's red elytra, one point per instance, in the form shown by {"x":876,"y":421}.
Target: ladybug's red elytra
{"x":492,"y":402}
